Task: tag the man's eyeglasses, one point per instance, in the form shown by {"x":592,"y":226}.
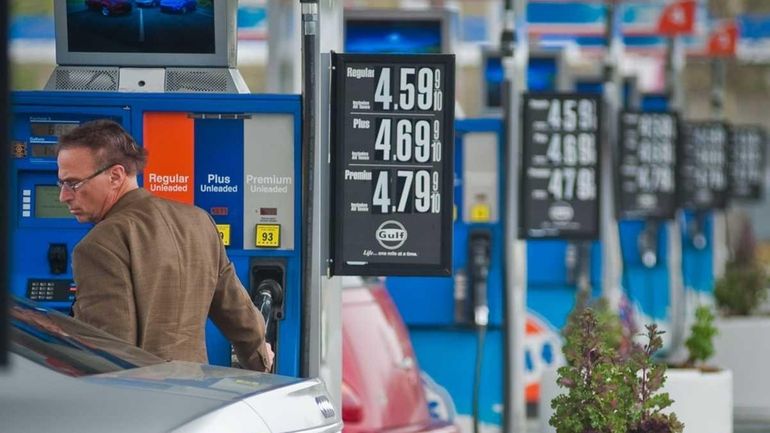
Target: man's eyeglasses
{"x":73,"y":186}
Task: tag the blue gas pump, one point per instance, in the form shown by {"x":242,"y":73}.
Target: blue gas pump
{"x":696,"y":241}
{"x":445,"y":335}
{"x":239,"y":162}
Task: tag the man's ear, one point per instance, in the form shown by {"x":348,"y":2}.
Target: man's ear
{"x":117,"y":175}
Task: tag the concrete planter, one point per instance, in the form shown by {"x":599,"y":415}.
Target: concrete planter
{"x":702,"y":401}
{"x":743,"y":346}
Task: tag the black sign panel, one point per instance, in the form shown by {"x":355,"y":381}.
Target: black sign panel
{"x":748,"y":145}
{"x":392,"y":164}
{"x":646,"y":176}
{"x":560,"y":166}
{"x":702,"y":180}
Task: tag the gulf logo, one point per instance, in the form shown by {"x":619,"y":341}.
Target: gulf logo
{"x":542,"y":349}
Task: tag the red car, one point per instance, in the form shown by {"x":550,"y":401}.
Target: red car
{"x":110,"y":7}
{"x":381,"y":386}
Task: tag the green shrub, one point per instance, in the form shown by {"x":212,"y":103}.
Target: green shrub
{"x":700,"y":344}
{"x":608,"y":392}
{"x":742,"y":288}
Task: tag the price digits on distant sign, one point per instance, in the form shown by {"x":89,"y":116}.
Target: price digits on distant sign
{"x":656,"y":154}
{"x":747,"y":157}
{"x":572,"y":152}
{"x":408,"y":140}
{"x":709,"y":158}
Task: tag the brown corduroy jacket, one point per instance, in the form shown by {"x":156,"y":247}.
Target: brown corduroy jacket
{"x":153,"y":270}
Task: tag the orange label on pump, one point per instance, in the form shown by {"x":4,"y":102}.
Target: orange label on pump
{"x":170,"y":141}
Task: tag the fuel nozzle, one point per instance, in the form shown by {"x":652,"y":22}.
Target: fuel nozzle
{"x":647,"y":243}
{"x":479,"y":266}
{"x":268,"y":292}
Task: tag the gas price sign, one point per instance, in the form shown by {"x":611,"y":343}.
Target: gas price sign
{"x":646,"y":176}
{"x":392,"y":164}
{"x":747,"y":162}
{"x":703,"y":181}
{"x":560,"y":166}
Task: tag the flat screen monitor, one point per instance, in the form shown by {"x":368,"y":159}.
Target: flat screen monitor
{"x":654,"y":102}
{"x":542,"y":75}
{"x":390,"y":31}
{"x":146,"y":33}
{"x":594,"y":87}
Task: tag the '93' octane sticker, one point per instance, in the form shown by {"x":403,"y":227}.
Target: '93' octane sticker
{"x":268,"y":235}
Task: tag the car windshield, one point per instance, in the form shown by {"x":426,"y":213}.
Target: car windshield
{"x":69,"y":346}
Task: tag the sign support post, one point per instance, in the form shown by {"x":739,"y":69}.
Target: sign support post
{"x":311,"y":335}
{"x":612,"y":264}
{"x":719,"y":231}
{"x":515,"y":54}
{"x":675,"y":59}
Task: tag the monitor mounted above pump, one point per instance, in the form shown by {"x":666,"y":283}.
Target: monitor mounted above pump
{"x":161,"y":45}
{"x":398,"y":31}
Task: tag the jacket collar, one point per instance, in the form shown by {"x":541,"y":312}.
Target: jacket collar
{"x":127,"y":200}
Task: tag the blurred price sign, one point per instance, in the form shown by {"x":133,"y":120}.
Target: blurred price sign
{"x":560,"y":166}
{"x":646,"y":177}
{"x":702,"y":182}
{"x":748,"y":147}
{"x":393,"y":140}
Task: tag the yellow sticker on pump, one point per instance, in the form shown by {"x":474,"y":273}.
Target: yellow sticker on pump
{"x":268,"y":236}
{"x":224,"y":233}
{"x":480,"y":213}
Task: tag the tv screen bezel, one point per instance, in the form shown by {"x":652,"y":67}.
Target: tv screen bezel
{"x":400,"y":15}
{"x":224,"y":55}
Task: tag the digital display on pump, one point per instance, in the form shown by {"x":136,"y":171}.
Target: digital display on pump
{"x":748,"y":146}
{"x":47,"y":204}
{"x":702,"y":183}
{"x":51,"y":129}
{"x":560,"y":166}
{"x":646,"y":174}
{"x":392,"y":134}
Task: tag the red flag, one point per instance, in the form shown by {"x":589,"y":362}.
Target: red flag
{"x":677,"y":18}
{"x":723,"y":39}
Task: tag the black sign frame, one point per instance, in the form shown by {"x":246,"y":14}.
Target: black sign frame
{"x":757,"y":191}
{"x":623,"y":212}
{"x":342,"y":222}
{"x":525,"y":228}
{"x":685,"y":191}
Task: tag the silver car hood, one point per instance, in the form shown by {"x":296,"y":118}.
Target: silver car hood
{"x":174,"y":397}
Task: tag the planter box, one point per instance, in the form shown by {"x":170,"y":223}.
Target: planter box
{"x":743,"y":346}
{"x":702,"y":401}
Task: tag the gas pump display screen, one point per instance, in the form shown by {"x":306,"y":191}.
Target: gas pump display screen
{"x":47,"y":204}
{"x":392,"y":164}
{"x":747,"y":162}
{"x":560,"y":166}
{"x":647,"y":168}
{"x":51,"y":129}
{"x":702,"y":182}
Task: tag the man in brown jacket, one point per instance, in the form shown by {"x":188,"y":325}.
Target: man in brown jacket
{"x":151,"y":270}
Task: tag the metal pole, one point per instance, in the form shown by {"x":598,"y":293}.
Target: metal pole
{"x":309,"y":367}
{"x":612,"y":270}
{"x":719,"y":227}
{"x":675,"y":58}
{"x":514,"y":46}
{"x":330,"y":293}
